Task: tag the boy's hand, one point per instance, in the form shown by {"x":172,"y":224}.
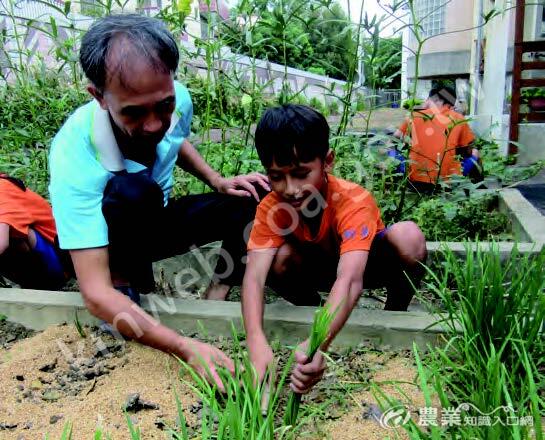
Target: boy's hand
{"x":307,"y":372}
{"x":261,"y":356}
{"x":205,"y":358}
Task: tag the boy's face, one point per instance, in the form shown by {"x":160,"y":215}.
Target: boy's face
{"x":297,"y":183}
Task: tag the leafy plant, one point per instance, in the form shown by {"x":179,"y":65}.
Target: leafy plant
{"x":533,"y":92}
{"x":238,"y":413}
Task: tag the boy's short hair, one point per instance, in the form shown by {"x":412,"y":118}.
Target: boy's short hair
{"x":445,"y":94}
{"x":290,"y":134}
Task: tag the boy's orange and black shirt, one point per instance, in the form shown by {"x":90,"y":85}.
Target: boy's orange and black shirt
{"x":350,"y":220}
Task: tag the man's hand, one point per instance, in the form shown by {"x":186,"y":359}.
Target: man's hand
{"x":307,"y":372}
{"x":242,"y":186}
{"x":261,"y":356}
{"x":205,"y":358}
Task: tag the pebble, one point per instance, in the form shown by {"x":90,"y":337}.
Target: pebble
{"x":6,"y":426}
{"x":55,"y":418}
{"x":51,"y":395}
{"x":36,"y":385}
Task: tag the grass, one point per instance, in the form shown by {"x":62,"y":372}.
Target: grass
{"x":493,"y":311}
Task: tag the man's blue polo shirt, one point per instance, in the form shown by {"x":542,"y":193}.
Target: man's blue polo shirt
{"x":84,"y":156}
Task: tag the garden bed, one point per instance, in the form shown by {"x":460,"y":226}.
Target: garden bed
{"x":56,"y":377}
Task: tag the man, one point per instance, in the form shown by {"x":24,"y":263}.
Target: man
{"x":29,"y":255}
{"x":111,"y":174}
{"x":438,"y":136}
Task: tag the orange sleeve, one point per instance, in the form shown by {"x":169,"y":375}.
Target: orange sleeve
{"x":268,"y":230}
{"x":12,"y":210}
{"x":358,"y":223}
{"x":404,"y":126}
{"x":466,"y":135}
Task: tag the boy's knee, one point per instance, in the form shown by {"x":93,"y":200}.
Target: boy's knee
{"x":285,"y":260}
{"x":409,"y":242}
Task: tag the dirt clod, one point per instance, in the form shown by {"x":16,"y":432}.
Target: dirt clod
{"x":55,"y":418}
{"x":134,"y":403}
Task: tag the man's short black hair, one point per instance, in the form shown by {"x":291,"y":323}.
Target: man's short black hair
{"x":146,"y":37}
{"x":446,"y":94}
{"x":291,"y":134}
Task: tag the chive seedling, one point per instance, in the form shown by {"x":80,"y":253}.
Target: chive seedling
{"x":318,"y":335}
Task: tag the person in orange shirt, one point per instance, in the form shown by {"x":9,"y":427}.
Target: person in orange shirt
{"x":29,"y":255}
{"x":438,"y":137}
{"x":318,"y":233}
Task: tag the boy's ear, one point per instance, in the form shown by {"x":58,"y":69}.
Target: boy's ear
{"x":329,"y":161}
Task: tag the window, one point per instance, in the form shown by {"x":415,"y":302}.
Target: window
{"x":431,"y":14}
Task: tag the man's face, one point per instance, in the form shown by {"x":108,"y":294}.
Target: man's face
{"x":297,"y":184}
{"x":140,"y":103}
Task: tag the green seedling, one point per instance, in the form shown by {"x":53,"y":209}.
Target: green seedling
{"x":318,"y":335}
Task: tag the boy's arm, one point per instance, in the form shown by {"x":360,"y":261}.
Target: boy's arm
{"x":342,"y":300}
{"x":346,"y":290}
{"x":257,"y":268}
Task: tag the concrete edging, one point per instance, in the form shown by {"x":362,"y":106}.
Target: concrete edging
{"x":39,"y":309}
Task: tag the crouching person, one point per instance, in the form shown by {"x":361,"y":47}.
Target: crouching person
{"x":316,"y":232}
{"x":29,"y":254}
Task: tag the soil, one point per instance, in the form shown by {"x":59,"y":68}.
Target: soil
{"x":56,"y":377}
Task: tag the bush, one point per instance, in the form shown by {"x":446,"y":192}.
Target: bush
{"x":31,"y":114}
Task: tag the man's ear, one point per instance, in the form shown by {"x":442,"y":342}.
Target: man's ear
{"x":98,"y":95}
{"x":329,"y":161}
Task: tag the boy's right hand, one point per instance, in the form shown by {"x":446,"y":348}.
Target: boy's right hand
{"x":205,"y":358}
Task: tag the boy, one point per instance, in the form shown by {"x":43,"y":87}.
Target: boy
{"x":28,"y":253}
{"x":439,"y":136}
{"x":315,"y":232}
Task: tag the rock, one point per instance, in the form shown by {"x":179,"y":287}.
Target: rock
{"x":36,"y":385}
{"x":51,"y":395}
{"x":20,"y":387}
{"x":19,"y":377}
{"x":27,"y":393}
{"x":44,"y":380}
{"x":135,"y":404}
{"x":54,"y":419}
{"x":50,"y":366}
{"x":160,"y":423}
{"x":90,"y":362}
{"x":5,"y":426}
{"x":27,"y":425}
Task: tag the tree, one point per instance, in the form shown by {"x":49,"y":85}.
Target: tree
{"x":382,"y":62}
{"x":313,"y":35}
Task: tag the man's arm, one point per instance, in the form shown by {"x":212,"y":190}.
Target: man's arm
{"x":190,"y":160}
{"x":343,"y":298}
{"x":103,"y":301}
{"x":257,"y":268}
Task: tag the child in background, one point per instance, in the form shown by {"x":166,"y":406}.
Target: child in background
{"x":29,"y":255}
{"x":318,"y":233}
